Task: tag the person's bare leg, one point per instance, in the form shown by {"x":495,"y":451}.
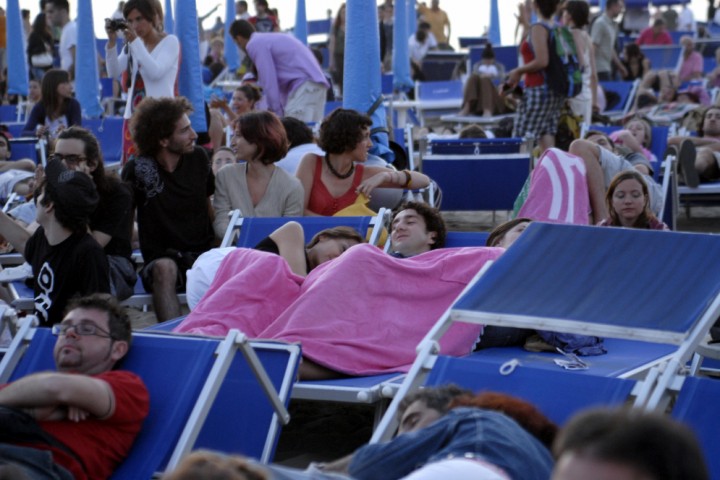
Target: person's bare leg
{"x":310,"y":370}
{"x":471,"y":94}
{"x":165,"y":300}
{"x":706,"y":165}
{"x":590,"y":153}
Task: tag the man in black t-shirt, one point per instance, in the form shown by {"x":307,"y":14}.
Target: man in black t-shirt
{"x":66,"y":260}
{"x":172,"y":183}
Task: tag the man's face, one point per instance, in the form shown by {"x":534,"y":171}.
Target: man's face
{"x":4,"y":149}
{"x":418,"y":415}
{"x":88,"y":354}
{"x":72,"y":154}
{"x":602,"y":141}
{"x":711,"y":124}
{"x":183,"y":138}
{"x":409,"y":234}
{"x":617,"y":9}
{"x":53,"y":14}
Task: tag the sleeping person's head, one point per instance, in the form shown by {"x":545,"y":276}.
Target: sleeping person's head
{"x":330,"y":243}
{"x":506,"y":233}
{"x":416,"y":228}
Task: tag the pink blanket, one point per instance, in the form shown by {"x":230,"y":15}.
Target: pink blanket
{"x":363,"y":313}
{"x":251,"y":288}
{"x":558,"y":190}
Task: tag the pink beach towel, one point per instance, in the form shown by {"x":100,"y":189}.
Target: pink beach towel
{"x":251,"y":288}
{"x":363,"y":313}
{"x":558,"y":190}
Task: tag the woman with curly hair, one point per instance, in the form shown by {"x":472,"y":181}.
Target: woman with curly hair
{"x":335,"y":181}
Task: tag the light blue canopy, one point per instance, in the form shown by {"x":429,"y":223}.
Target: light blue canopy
{"x":190,"y":76}
{"x":16,"y":59}
{"x":361,"y":83}
{"x":87,"y":77}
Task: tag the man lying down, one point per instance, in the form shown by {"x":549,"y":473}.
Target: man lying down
{"x":362,"y":313}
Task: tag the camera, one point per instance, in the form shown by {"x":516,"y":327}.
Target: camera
{"x":115,"y":24}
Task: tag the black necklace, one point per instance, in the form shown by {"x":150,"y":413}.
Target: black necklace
{"x":341,"y":176}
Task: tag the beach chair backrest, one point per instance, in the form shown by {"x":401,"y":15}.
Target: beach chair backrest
{"x":665,"y":57}
{"x":240,"y":418}
{"x":626,"y":91}
{"x":478,"y":182}
{"x":253,"y":230}
{"x":109,"y":132}
{"x":475,"y":146}
{"x":558,"y":394}
{"x":694,"y":408}
{"x":465,"y":239}
{"x":439,"y":90}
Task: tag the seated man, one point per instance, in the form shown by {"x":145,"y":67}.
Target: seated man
{"x":87,"y":414}
{"x":445,"y":432}
{"x":416,"y":228}
{"x":699,"y":157}
{"x":66,"y":260}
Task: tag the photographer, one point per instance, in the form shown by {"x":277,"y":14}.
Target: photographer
{"x":149,"y":61}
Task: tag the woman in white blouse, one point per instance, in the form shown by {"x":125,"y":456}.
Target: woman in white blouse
{"x":150,"y":58}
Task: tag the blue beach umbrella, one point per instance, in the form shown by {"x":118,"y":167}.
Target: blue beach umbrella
{"x":401,"y":58}
{"x":361,"y":84}
{"x":169,"y":22}
{"x":494,"y":30}
{"x":411,"y":18}
{"x":190,"y":76}
{"x":232,"y":56}
{"x":300,"y":30}
{"x":16,"y":60}
{"x":86,"y":67}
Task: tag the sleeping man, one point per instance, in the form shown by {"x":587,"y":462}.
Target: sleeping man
{"x":362,"y":313}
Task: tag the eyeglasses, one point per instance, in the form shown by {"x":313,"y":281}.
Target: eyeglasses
{"x":82,"y":329}
{"x":69,"y":158}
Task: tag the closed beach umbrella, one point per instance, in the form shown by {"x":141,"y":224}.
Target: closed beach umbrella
{"x":401,"y":59}
{"x":300,"y":30}
{"x":16,"y":61}
{"x":86,"y":66}
{"x":361,"y":85}
{"x":190,"y":76}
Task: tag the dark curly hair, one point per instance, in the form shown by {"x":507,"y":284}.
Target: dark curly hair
{"x":342,"y":130}
{"x":433,"y":220}
{"x":154,"y":119}
{"x":265,"y":130}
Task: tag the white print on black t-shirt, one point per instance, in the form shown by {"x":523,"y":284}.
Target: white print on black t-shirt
{"x":148,"y":177}
{"x":45,"y":280}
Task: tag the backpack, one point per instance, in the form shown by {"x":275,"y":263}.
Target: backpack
{"x":563,"y":73}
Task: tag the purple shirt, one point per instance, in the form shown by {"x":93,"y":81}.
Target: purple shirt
{"x":283,"y":63}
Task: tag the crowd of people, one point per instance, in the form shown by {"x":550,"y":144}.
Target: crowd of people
{"x":177,"y":188}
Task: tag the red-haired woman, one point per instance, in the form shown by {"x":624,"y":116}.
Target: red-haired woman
{"x":256,"y":186}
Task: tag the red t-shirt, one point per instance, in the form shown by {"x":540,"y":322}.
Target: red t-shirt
{"x":103,"y":444}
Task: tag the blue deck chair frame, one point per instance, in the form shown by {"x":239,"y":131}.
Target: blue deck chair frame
{"x":109,"y":131}
{"x":478,"y":182}
{"x":567,"y":288}
{"x":627,"y":92}
{"x":32,"y":148}
{"x":695,"y":408}
{"x":580,"y":280}
{"x":665,"y":57}
{"x":179,"y":409}
{"x":436,"y":98}
{"x":253,"y":229}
